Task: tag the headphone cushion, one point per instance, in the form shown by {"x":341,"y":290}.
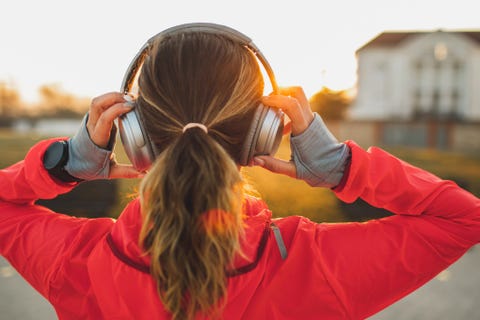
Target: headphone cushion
{"x":136,"y":143}
{"x":270,"y":132}
{"x":264,"y":135}
{"x":248,"y":148}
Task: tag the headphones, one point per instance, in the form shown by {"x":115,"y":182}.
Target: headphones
{"x":264,"y":134}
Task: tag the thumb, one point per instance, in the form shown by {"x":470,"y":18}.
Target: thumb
{"x":124,"y":171}
{"x":276,"y":165}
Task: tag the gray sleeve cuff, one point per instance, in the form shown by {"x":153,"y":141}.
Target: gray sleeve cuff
{"x":86,"y":160}
{"x":319,"y":158}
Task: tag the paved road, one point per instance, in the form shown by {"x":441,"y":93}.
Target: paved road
{"x":452,"y":295}
{"x":18,"y":301}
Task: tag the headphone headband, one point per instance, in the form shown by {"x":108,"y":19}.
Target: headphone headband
{"x":266,"y":128}
{"x":212,"y":28}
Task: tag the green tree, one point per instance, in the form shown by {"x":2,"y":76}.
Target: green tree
{"x":330,"y":104}
{"x":10,"y":104}
{"x":10,"y":101}
{"x":55,"y":102}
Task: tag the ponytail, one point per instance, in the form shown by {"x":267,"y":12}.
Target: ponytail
{"x":192,"y":198}
{"x":192,"y":221}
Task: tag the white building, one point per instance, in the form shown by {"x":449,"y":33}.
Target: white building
{"x":419,"y":75}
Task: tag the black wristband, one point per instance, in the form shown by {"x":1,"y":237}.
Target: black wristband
{"x":55,"y":159}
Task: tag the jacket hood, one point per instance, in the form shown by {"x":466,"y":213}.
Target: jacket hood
{"x":119,"y":271}
{"x":124,"y":236}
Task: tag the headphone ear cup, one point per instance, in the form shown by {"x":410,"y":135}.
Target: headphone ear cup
{"x":135,"y":141}
{"x":264,"y":135}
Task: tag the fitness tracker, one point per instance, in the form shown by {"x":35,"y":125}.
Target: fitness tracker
{"x":55,"y":159}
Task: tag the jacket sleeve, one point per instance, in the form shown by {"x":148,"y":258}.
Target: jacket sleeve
{"x":35,"y":240}
{"x":373,"y":264}
{"x":27,"y":180}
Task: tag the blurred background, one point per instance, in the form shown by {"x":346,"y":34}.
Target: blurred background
{"x":400,"y":75}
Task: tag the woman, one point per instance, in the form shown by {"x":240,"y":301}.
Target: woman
{"x":193,"y":245}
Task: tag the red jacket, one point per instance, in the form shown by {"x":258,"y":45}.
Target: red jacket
{"x":93,"y":268}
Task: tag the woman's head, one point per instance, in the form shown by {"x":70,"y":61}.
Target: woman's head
{"x":192,"y":197}
{"x":204,"y":78}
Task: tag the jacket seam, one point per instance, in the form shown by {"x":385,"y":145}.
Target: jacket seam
{"x":229,"y":273}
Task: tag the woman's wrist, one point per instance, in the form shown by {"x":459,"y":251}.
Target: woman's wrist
{"x":88,"y":161}
{"x":319,"y":158}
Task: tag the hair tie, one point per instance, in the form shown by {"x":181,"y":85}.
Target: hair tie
{"x":193,"y":125}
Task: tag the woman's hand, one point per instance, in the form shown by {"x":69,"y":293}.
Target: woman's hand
{"x":103,"y":111}
{"x":91,"y":149}
{"x":317,"y":157}
{"x":294,"y":103}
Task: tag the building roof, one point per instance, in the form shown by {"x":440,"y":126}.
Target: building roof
{"x":394,"y":38}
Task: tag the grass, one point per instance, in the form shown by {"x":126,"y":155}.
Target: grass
{"x":286,"y":196}
{"x":462,"y":168}
{"x":13,"y":147}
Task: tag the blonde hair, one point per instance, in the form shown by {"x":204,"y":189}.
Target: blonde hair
{"x":192,"y":196}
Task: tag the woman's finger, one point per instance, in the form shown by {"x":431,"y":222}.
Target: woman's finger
{"x":118,"y":171}
{"x":301,"y":117}
{"x":101,"y":103}
{"x":100,"y":132}
{"x":295,"y":92}
{"x":287,"y":126}
{"x":287,"y":104}
{"x":276,"y":165}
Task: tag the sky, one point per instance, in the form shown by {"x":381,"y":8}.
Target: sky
{"x":86,"y":46}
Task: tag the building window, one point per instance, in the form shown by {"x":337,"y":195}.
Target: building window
{"x":440,"y":51}
{"x":437,"y":85}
